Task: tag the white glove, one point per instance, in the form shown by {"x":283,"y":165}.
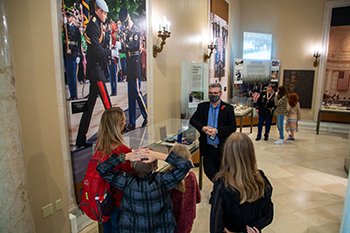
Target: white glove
{"x":77,"y":60}
{"x":65,"y":20}
{"x":118,"y":45}
{"x":114,"y":53}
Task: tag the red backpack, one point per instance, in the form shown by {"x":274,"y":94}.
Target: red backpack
{"x":97,"y":201}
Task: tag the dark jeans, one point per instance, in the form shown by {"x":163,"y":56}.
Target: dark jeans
{"x":268,"y":122}
{"x":71,"y":68}
{"x":211,"y":162}
{"x":110,"y":226}
{"x":113,"y":76}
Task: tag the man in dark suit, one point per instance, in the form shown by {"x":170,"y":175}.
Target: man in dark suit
{"x":96,"y":68}
{"x":264,"y":108}
{"x":215,"y":120}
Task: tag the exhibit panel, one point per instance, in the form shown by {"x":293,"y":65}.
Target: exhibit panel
{"x":194,"y":86}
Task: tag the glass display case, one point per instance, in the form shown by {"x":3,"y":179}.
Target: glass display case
{"x":333,"y":110}
{"x":340,"y":104}
{"x":244,"y":108}
{"x":162,"y":136}
{"x":241,"y":104}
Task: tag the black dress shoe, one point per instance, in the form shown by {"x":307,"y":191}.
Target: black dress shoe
{"x":86,"y":144}
{"x":257,"y":139}
{"x":266,"y":139}
{"x":130,"y":127}
{"x":144,"y":123}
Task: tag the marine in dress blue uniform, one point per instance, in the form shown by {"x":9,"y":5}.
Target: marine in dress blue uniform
{"x":95,"y":71}
{"x":131,"y":47}
{"x":71,"y":54}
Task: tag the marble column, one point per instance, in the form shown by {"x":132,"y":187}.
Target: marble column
{"x":15,"y":206}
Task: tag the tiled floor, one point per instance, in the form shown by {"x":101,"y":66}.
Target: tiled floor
{"x":308,"y":179}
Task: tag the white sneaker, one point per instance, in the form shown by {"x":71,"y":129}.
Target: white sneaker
{"x":279,"y":141}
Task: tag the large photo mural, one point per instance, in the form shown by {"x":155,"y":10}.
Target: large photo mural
{"x":104,"y":66}
{"x":217,"y":70}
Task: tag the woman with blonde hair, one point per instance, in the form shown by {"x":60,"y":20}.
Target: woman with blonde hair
{"x":185,"y":195}
{"x":241,"y":200}
{"x":110,"y":141}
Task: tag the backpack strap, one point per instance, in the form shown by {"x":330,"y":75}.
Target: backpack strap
{"x":98,"y":208}
{"x":97,"y":216}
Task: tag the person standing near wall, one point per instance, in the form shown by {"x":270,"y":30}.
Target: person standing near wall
{"x":215,"y":120}
{"x":281,"y":102}
{"x":96,"y":67}
{"x":293,"y":115}
{"x":264,"y":108}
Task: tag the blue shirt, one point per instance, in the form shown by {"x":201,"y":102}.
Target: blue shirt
{"x":213,"y":122}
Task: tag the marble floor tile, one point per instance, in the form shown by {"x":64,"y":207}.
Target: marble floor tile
{"x":339,"y":189}
{"x":288,"y":223}
{"x":314,"y":178}
{"x":308,"y":179}
{"x":316,"y":216}
{"x":326,"y":228}
{"x":335,"y":209}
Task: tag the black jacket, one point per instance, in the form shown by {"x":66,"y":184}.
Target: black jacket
{"x":265,"y":106}
{"x":96,"y":54}
{"x":74,"y":38}
{"x":226,"y":210}
{"x":131,"y":47}
{"x":226,"y":123}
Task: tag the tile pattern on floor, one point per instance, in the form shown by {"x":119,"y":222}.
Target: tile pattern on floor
{"x":308,"y":179}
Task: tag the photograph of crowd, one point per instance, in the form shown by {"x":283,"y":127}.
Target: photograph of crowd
{"x":104,"y":57}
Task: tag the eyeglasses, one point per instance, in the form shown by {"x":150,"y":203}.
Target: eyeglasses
{"x":214,"y":93}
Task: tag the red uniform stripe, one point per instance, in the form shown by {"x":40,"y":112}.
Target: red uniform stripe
{"x":103,"y":95}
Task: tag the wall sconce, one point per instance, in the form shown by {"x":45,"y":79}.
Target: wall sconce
{"x":316,"y":56}
{"x":163,"y":33}
{"x":211,"y":47}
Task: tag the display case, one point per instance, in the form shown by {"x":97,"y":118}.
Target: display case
{"x":333,"y":110}
{"x":244,"y":111}
{"x":163,"y":136}
{"x":241,"y":104}
{"x":336,"y":104}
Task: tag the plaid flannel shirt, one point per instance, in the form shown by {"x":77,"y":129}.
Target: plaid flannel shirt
{"x":146,"y":202}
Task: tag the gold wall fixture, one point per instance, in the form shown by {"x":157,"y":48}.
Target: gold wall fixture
{"x":316,"y":56}
{"x":211,"y":47}
{"x":163,"y":33}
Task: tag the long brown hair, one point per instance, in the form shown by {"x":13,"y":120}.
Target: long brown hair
{"x":109,"y":134}
{"x":293,"y":99}
{"x":282,"y":91}
{"x":239,"y":170}
{"x":182,"y":151}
